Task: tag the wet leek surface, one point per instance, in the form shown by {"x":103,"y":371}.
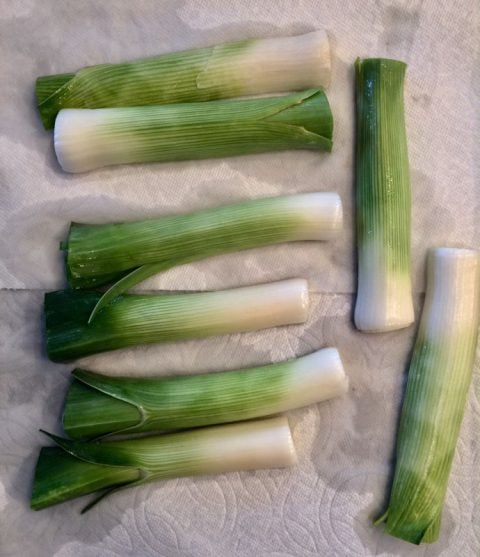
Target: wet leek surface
{"x":98,"y":405}
{"x":99,"y":253}
{"x":150,"y":318}
{"x":74,"y":468}
{"x":383,"y":198}
{"x":439,"y":377}
{"x":87,"y":139}
{"x":235,"y":69}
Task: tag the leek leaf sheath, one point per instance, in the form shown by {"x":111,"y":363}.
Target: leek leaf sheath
{"x":438,"y":381}
{"x":246,"y":67}
{"x":75,"y":468}
{"x":97,"y":253}
{"x":384,"y":299}
{"x":97,"y":405}
{"x":143,"y":319}
{"x":89,"y":139}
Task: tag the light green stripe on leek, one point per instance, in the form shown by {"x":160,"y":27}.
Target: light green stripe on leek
{"x":206,"y":74}
{"x":89,"y":139}
{"x":97,"y":405}
{"x":438,"y":381}
{"x":384,"y":300}
{"x":48,"y":85}
{"x":145,"y":319}
{"x":78,"y":468}
{"x":97,"y":251}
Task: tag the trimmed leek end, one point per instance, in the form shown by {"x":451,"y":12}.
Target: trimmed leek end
{"x":79,"y":468}
{"x":279,"y":64}
{"x":144,"y":319}
{"x":320,"y":215}
{"x":438,"y":381}
{"x":316,"y":377}
{"x":86,"y":139}
{"x":98,"y":405}
{"x":384,"y":299}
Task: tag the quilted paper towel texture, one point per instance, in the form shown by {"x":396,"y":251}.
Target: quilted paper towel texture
{"x":325,"y":505}
{"x":438,"y":40}
{"x":322,"y":506}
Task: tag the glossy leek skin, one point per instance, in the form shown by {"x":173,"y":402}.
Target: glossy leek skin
{"x":150,"y":318}
{"x":73,"y":468}
{"x":95,"y":253}
{"x":235,"y":69}
{"x":439,"y":377}
{"x":97,"y":405}
{"x":383,"y":199}
{"x":88,"y":139}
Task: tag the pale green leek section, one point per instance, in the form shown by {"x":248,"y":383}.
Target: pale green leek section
{"x":86,"y":467}
{"x":233,"y":69}
{"x":98,"y":405}
{"x":89,"y":139}
{"x":438,"y":381}
{"x":145,"y":319}
{"x":95,"y":253}
{"x":384,"y":299}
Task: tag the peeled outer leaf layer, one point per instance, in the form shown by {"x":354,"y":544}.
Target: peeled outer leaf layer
{"x":438,"y":381}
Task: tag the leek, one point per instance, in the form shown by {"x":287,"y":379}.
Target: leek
{"x":74,"y":468}
{"x":96,"y":254}
{"x":98,"y":404}
{"x":384,"y":300}
{"x":438,"y":380}
{"x":230,"y":70}
{"x":149,"y":318}
{"x":87,"y":139}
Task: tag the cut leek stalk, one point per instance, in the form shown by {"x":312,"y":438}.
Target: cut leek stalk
{"x":97,"y":405}
{"x":75,"y":468}
{"x":247,"y":67}
{"x":88,"y":139}
{"x":384,"y":299}
{"x":144,"y":319}
{"x":438,"y":380}
{"x":97,"y":253}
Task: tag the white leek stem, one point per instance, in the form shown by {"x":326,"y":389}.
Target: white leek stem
{"x":273,"y":65}
{"x":246,"y":446}
{"x":316,"y":377}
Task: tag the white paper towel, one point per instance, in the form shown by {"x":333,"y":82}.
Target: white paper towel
{"x":325,"y":505}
